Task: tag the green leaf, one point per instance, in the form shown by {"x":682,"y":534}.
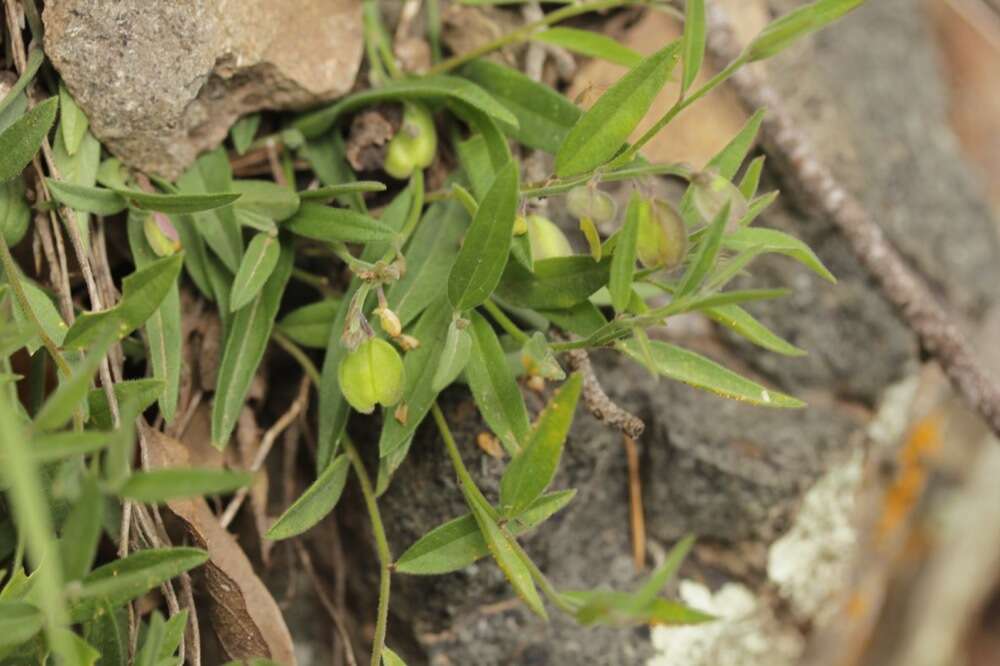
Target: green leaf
{"x":494,"y":388}
{"x":125,"y":579}
{"x":20,"y":141}
{"x":330,"y":191}
{"x":15,"y":213}
{"x":79,"y":169}
{"x":142,"y":293}
{"x":107,"y":631}
{"x":705,"y":256}
{"x":55,"y":446}
{"x":258,"y":263}
{"x":590,"y":44}
{"x":315,"y":503}
{"x":796,"y":23}
{"x":35,"y":59}
{"x":772,"y":240}
{"x":693,"y":42}
{"x":175,"y":483}
{"x":266,"y":199}
{"x":245,"y":348}
{"x":141,"y":392}
{"x":45,"y":311}
{"x":623,"y":260}
{"x":178,"y":204}
{"x":697,"y":371}
{"x":557,"y":283}
{"x":59,"y":407}
{"x":659,"y":578}
{"x":751,"y":178}
{"x":390,"y":658}
{"x":73,"y":122}
{"x":531,"y":471}
{"x":311,"y":324}
{"x":243,"y":131}
{"x":424,"y":88}
{"x":19,"y":622}
{"x":419,"y":368}
{"x":173,"y":634}
{"x":97,"y":200}
{"x":483,"y":255}
{"x":603,"y":129}
{"x":150,"y":650}
{"x":458,"y":543}
{"x":741,"y":322}
{"x":163,"y":328}
{"x":219,"y":227}
{"x":507,"y":558}
{"x":544,"y":117}
{"x":326,"y":223}
{"x":82,"y":530}
{"x":454,"y":355}
{"x":727,"y":162}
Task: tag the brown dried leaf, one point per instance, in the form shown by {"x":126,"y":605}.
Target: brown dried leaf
{"x":244,"y":615}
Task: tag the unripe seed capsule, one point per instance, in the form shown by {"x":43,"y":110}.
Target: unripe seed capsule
{"x":589,"y":202}
{"x":547,"y":240}
{"x":710,"y":193}
{"x":662,"y":238}
{"x":414,"y":145}
{"x":371,"y":374}
{"x":160,"y":234}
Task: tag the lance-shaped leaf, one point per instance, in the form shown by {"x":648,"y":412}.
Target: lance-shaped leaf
{"x":330,"y":224}
{"x":705,"y":256}
{"x":177,"y":483}
{"x":494,"y":388}
{"x":603,"y":129}
{"x":107,"y":631}
{"x":72,"y":120}
{"x":481,"y":260}
{"x":315,"y":503}
{"x":265,"y":199}
{"x":454,"y":355}
{"x":590,"y":44}
{"x":178,"y":204}
{"x":258,"y":262}
{"x":19,"y":622}
{"x":743,"y":323}
{"x":218,"y":228}
{"x":82,"y":530}
{"x":20,"y":141}
{"x":772,"y":240}
{"x":697,"y":371}
{"x":245,"y":348}
{"x":623,"y":260}
{"x":310,"y":325}
{"x":35,"y":59}
{"x":556,"y":283}
{"x":532,"y":470}
{"x":693,"y":42}
{"x":728,"y":160}
{"x":60,"y":406}
{"x":458,"y":543}
{"x":55,"y":446}
{"x":796,"y":23}
{"x":243,"y":131}
{"x":423,"y":88}
{"x":140,"y":393}
{"x":88,"y":199}
{"x":142,"y":293}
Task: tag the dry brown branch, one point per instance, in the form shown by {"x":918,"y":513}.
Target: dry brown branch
{"x":636,"y":515}
{"x":597,"y":401}
{"x":812,"y":180}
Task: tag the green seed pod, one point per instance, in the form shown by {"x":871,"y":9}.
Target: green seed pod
{"x":160,"y":234}
{"x":584,"y":201}
{"x":15,"y":214}
{"x":710,"y":193}
{"x":414,"y":145}
{"x":547,"y":240}
{"x":372,"y":374}
{"x":662,"y":237}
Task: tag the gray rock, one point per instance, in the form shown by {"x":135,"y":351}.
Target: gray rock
{"x":162,"y":81}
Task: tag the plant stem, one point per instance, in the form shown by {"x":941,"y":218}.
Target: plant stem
{"x":500,"y":317}
{"x":300,"y":356}
{"x":381,"y":547}
{"x":525,"y":32}
{"x":539,"y":190}
{"x":434,"y":29}
{"x":468,"y":484}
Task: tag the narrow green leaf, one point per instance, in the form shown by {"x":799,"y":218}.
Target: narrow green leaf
{"x":82,"y":530}
{"x":494,"y":388}
{"x":454,"y":355}
{"x":693,"y":42}
{"x":315,"y":503}
{"x":97,"y":200}
{"x":73,"y":121}
{"x":51,"y":447}
{"x":45,"y":311}
{"x":481,"y":259}
{"x":326,"y":223}
{"x":140,"y":392}
{"x":740,"y":321}
{"x":531,"y":471}
{"x":243,"y":131}
{"x":178,"y":204}
{"x":544,"y":117}
{"x":150,"y":650}
{"x":218,"y":227}
{"x":125,"y":579}
{"x":623,"y":260}
{"x":697,"y":371}
{"x":142,"y":293}
{"x":390,"y":658}
{"x":799,"y":22}
{"x":557,"y":283}
{"x":437,"y":87}
{"x":35,"y":59}
{"x":601,"y":132}
{"x":20,"y":141}
{"x":173,"y":634}
{"x":705,"y":256}
{"x":265,"y":198}
{"x":728,"y":160}
{"x":590,"y":44}
{"x":311,"y":324}
{"x":245,"y":349}
{"x":107,"y":631}
{"x":458,"y":543}
{"x":258,"y":263}
{"x":80,"y":169}
{"x":175,"y":483}
{"x":330,"y":191}
{"x":751,"y":178}
{"x":772,"y":240}
{"x":19,"y":622}
{"x":507,"y":559}
{"x":59,"y":407}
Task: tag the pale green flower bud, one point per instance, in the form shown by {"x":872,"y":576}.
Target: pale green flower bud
{"x":547,"y":240}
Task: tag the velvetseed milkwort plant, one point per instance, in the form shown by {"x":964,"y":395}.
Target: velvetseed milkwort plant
{"x":443,"y":284}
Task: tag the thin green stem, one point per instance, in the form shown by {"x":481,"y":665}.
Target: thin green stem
{"x":299,"y":355}
{"x":539,"y":190}
{"x":547,"y":588}
{"x":381,"y":547}
{"x":468,"y":484}
{"x":434,"y":29}
{"x":377,"y":43}
{"x":416,"y":208}
{"x":525,"y":32}
{"x":506,"y":323}
{"x":318,"y":282}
